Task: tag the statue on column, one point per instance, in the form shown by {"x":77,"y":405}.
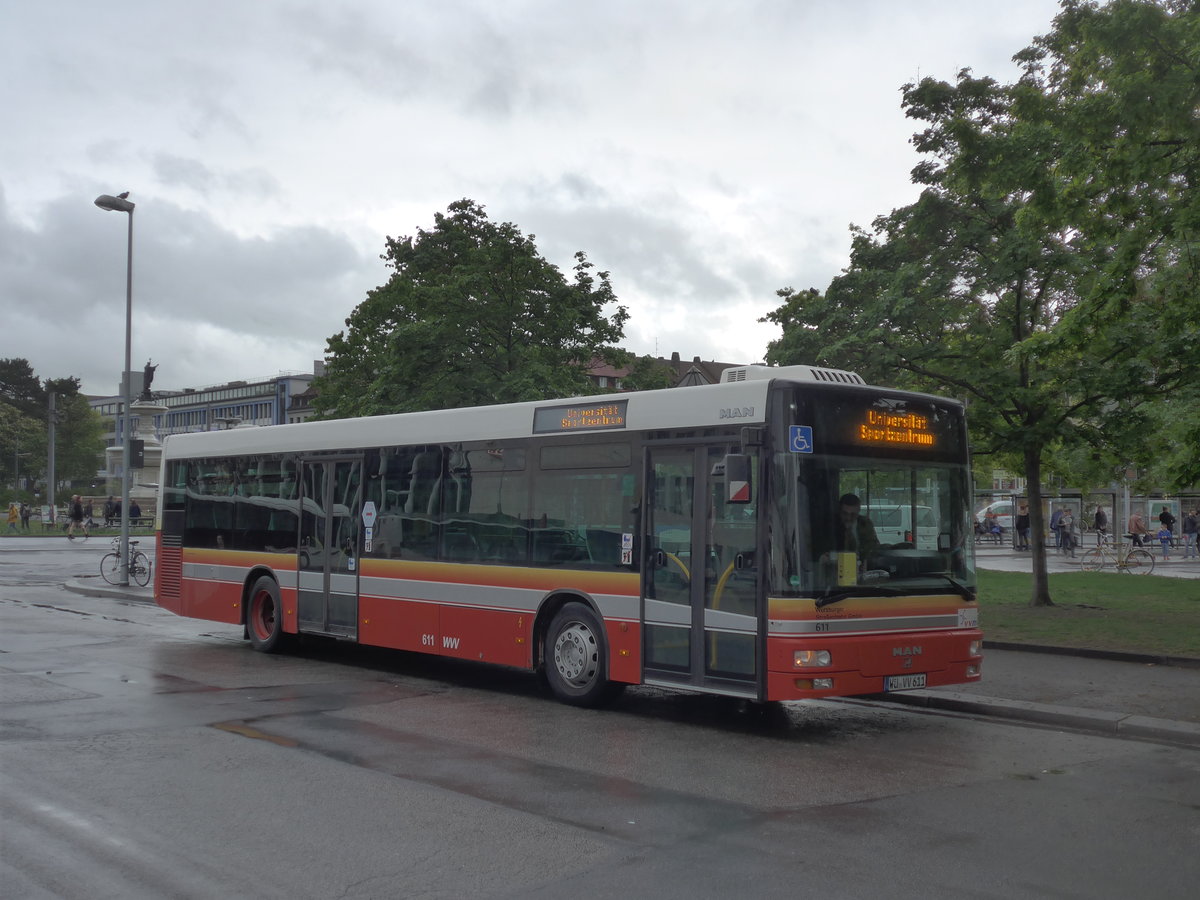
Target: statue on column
{"x":147,"y":380}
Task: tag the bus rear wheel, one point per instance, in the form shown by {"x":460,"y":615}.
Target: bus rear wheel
{"x":576,"y":658}
{"x":264,"y":616}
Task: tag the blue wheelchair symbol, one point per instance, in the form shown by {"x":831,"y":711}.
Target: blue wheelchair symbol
{"x":800,"y":438}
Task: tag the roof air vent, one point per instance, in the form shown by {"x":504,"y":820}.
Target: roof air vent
{"x":791,"y":373}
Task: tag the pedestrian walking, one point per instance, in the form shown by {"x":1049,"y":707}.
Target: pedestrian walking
{"x":76,"y":515}
{"x":13,"y":515}
{"x":1191,"y":537}
{"x":1056,"y":527}
{"x":1136,"y":526}
{"x":1168,"y":522}
{"x":1066,"y":532}
{"x":1100,"y":523}
{"x":25,"y":512}
{"x":1022,"y":526}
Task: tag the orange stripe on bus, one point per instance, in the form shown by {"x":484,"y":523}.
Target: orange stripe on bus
{"x":285,"y":562}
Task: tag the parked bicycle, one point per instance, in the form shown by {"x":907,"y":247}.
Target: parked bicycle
{"x":1123,"y":556}
{"x":111,"y":565}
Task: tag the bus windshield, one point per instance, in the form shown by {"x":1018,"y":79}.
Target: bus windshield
{"x":842,"y":521}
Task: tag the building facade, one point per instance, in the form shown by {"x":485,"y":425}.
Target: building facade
{"x":275,"y":400}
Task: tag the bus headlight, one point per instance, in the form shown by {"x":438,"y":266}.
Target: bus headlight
{"x":975,"y":648}
{"x":809,"y":659}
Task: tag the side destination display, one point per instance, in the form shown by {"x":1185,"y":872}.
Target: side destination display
{"x":579,"y":417}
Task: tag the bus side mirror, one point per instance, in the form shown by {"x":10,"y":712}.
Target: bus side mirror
{"x":737,"y":478}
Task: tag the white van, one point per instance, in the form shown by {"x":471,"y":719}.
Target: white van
{"x":894,"y":525}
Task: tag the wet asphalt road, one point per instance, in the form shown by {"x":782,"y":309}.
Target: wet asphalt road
{"x":143,"y":755}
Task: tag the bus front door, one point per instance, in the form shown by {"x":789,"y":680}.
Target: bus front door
{"x":329,"y":539}
{"x":700,"y":613}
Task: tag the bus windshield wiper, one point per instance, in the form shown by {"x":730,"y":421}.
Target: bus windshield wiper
{"x":958,"y":585}
{"x":858,"y":591}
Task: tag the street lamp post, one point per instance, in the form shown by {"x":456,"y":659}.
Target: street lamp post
{"x":121,"y":203}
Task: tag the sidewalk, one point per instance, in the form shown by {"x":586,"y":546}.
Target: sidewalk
{"x":1117,"y":694}
{"x":1003,"y":558}
{"x":1104,"y":696}
{"x":1113,"y":693}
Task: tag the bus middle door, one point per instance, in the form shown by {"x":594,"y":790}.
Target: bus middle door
{"x":331,"y":506}
{"x":700,"y":584}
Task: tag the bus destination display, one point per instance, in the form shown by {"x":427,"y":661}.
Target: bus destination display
{"x":908,"y":429}
{"x":579,"y":417}
{"x":887,"y":424}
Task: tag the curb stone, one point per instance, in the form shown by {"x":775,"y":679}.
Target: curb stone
{"x":1121,"y":724}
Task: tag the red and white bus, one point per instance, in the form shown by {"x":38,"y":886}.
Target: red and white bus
{"x":701,"y":538}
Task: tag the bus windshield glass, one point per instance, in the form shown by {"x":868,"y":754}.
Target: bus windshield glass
{"x":871,"y":502}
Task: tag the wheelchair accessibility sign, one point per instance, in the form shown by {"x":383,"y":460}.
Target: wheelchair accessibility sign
{"x":800,"y":439}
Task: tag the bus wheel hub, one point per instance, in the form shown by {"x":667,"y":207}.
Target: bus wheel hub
{"x":573,"y":652}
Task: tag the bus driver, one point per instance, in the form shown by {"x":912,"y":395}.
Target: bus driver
{"x":850,"y":541}
{"x":855,"y":532}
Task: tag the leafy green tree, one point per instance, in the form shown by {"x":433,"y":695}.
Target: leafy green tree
{"x":1126,"y":78}
{"x":1041,"y":275}
{"x":471,"y":315}
{"x":79,"y":439}
{"x":24,"y":406}
{"x":20,"y":387}
{"x":22,"y":445}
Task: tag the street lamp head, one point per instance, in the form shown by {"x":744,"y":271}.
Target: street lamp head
{"x":115,"y":204}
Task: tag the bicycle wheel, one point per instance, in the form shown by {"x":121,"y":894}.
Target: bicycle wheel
{"x":1139,"y":562}
{"x":139,"y":568}
{"x":110,"y":568}
{"x":1093,"y":560}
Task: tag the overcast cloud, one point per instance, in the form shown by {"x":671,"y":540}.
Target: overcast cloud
{"x":704,"y":153}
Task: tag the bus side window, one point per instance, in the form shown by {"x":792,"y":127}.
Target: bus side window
{"x":404,"y":484}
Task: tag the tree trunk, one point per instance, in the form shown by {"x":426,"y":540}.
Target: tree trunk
{"x":1037,"y":542}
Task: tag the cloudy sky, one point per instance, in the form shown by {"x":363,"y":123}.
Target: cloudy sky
{"x":705,"y":153}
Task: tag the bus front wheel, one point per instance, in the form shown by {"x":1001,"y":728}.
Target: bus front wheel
{"x":576,"y":657}
{"x":264,"y":616}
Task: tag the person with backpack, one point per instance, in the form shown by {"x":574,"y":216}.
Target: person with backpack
{"x":1136,"y":528}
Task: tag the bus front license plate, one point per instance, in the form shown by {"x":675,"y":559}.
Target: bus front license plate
{"x":904,"y":682}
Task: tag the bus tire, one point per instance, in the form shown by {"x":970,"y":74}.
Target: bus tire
{"x":576,"y":657}
{"x":264,"y":616}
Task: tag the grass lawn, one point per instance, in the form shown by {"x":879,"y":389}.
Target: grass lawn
{"x":1095,"y":610}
